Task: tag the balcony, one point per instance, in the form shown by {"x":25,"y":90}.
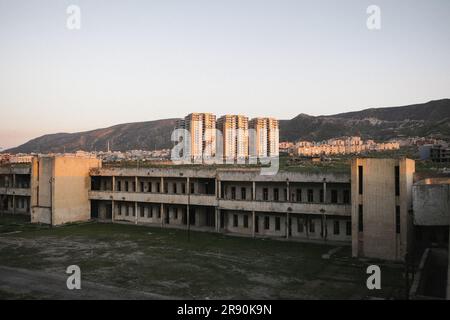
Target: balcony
{"x":283,"y":207}
{"x":194,"y":199}
{"x":26,"y":192}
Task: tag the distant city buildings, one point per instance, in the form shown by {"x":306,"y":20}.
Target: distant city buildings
{"x":240,"y":139}
{"x":435,"y":152}
{"x":345,"y":145}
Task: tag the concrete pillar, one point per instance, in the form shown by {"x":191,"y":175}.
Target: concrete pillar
{"x":288,"y":191}
{"x":14,"y":203}
{"x":253,"y":190}
{"x":253,"y":224}
{"x":14,"y":181}
{"x":325,"y":191}
{"x":161,"y":210}
{"x":135,"y":213}
{"x":136,"y":184}
{"x":287,"y":225}
{"x":112,"y":201}
{"x":217,"y":219}
{"x":162,"y":185}
{"x":219,"y":189}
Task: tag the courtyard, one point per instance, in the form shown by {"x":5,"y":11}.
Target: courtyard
{"x":141,"y":262}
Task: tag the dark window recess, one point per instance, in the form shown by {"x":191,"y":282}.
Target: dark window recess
{"x":334,"y":196}
{"x":158,"y":187}
{"x":321,"y":195}
{"x":265,"y":194}
{"x":346,"y":196}
{"x":285,"y":195}
{"x":397,"y":180}
{"x":266,"y":223}
{"x":310,"y":195}
{"x":183,"y":188}
{"x":299,"y":195}
{"x":235,"y":220}
{"x":243,"y":193}
{"x":192,"y":188}
{"x":233,"y":193}
{"x":360,"y":218}
{"x":336,"y":227}
{"x":348,"y":228}
{"x":276,"y":195}
{"x":397,"y":219}
{"x":142,"y":186}
{"x":277,"y":223}
{"x":175,"y":187}
{"x":126,"y":186}
{"x":360,"y":179}
{"x":246,"y":221}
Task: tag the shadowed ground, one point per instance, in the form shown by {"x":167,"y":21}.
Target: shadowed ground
{"x":136,"y":262}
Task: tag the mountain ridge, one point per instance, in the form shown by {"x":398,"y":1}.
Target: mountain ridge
{"x":426,"y":119}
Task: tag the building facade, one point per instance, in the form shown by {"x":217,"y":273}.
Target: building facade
{"x":381,"y":207}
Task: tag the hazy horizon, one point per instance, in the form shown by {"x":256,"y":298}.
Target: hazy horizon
{"x":146,"y":60}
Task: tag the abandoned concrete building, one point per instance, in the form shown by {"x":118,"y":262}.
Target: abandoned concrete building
{"x":377,"y":208}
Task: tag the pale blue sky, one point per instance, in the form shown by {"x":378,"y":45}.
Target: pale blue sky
{"x":145,"y":60}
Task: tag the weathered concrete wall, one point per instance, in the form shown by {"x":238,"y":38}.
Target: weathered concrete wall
{"x":72,"y":183}
{"x":431,"y":204}
{"x":379,"y":238}
{"x":59,"y":188}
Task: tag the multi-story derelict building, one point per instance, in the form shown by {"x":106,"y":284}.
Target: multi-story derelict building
{"x":370,"y":207}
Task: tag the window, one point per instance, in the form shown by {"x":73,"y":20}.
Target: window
{"x":233,"y":193}
{"x":336,"y":227}
{"x":346,"y":196}
{"x":265,"y":194}
{"x":150,"y":189}
{"x":243,"y":193}
{"x":321,"y":196}
{"x":158,"y":187}
{"x":299,"y":195}
{"x":266,"y":223}
{"x":150,"y":212}
{"x":134,"y":186}
{"x":245,"y":221}
{"x":192,"y":188}
{"x":312,"y":226}
{"x":397,"y":180}
{"x":119,"y":185}
{"x":174,"y":187}
{"x":360,"y":218}
{"x":235,"y":220}
{"x":176,"y":213}
{"x":300,"y":226}
{"x":277,"y":223}
{"x":360,"y":179}
{"x":127,"y":211}
{"x":142,"y":211}
{"x":285,"y":195}
{"x":275,"y":194}
{"x":310,"y":195}
{"x":348,"y":228}
{"x":334,"y":196}
{"x":183,"y":188}
{"x":142,"y":186}
{"x":126,"y":186}
{"x":166,"y":187}
{"x":158,"y":210}
{"x":397,"y":219}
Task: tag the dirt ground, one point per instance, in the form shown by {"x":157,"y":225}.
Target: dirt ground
{"x":136,"y":262}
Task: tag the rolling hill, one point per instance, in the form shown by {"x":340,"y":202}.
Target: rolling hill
{"x":427,"y":119}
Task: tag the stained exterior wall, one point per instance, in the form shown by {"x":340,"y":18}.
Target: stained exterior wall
{"x":379,"y":237}
{"x":215,"y":201}
{"x":60,"y":186}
